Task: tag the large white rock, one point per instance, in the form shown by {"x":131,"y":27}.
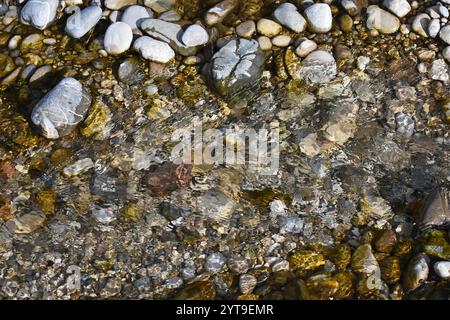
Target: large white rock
{"x":195,"y":35}
{"x":39,"y":13}
{"x":319,"y":17}
{"x":398,"y":7}
{"x":61,"y":109}
{"x":382,"y":20}
{"x":154,"y":50}
{"x":118,"y":38}
{"x":288,"y":16}
{"x":134,"y":15}
{"x":81,"y":22}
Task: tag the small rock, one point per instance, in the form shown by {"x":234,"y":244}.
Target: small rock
{"x":104,"y":214}
{"x":319,"y":17}
{"x":130,"y":71}
{"x":170,"y":16}
{"x":434,"y":27}
{"x":346,"y":23}
{"x":81,"y":22}
{"x":288,"y":16}
{"x":217,"y":13}
{"x":268,"y":28}
{"x":154,"y":50}
{"x":237,"y":66}
{"x":61,"y":109}
{"x":305,"y":48}
{"x":216,"y":206}
{"x":79,"y":167}
{"x":439,"y":71}
{"x":247,"y":283}
{"x":281,"y":41}
{"x":168,"y":32}
{"x":382,"y":20}
{"x":444,"y":34}
{"x":134,"y":15}
{"x":118,"y":38}
{"x":29,"y":223}
{"x":169,"y":177}
{"x":264,"y":43}
{"x":446,"y":53}
{"x":246,"y":29}
{"x":398,"y":7}
{"x":436,"y":210}
{"x":195,"y":35}
{"x":416,"y":272}
{"x":420,"y":24}
{"x":39,"y":13}
{"x":442,"y":269}
{"x":318,"y":67}
{"x":40,"y":73}
{"x":118,"y":4}
{"x":405,"y":124}
{"x":215,"y":262}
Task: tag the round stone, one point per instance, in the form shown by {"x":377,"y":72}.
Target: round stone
{"x":442,"y":269}
{"x":246,"y":29}
{"x":444,"y":34}
{"x":265,"y":43}
{"x":195,"y":35}
{"x":81,"y":22}
{"x":153,"y":50}
{"x":319,"y":17}
{"x":398,"y":7}
{"x":382,"y":20}
{"x":39,"y":13}
{"x":446,"y":53}
{"x":288,"y":16}
{"x":268,"y":28}
{"x":305,"y":47}
{"x":281,"y":41}
{"x":133,"y":16}
{"x":118,"y":38}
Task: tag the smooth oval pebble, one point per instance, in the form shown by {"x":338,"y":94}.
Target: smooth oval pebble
{"x":195,"y":35}
{"x":118,"y":38}
{"x":154,"y":50}
{"x":134,"y":15}
{"x":39,"y":13}
{"x":319,"y":17}
{"x":442,"y":269}
{"x":81,"y":22}
{"x":281,"y":41}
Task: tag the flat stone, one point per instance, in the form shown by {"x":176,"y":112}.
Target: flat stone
{"x":153,"y":50}
{"x":237,"y":66}
{"x":268,"y":28}
{"x":61,"y":109}
{"x":195,"y":35}
{"x":319,"y":17}
{"x":218,"y":13}
{"x":81,"y":22}
{"x":288,"y":16}
{"x":118,"y":38}
{"x":382,"y":20}
{"x":168,"y":32}
{"x":79,"y":167}
{"x":39,"y":13}
{"x":134,"y":15}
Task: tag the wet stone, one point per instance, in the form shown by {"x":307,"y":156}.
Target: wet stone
{"x":416,"y":272}
{"x":436,"y":210}
{"x":215,"y":262}
{"x":61,"y":109}
{"x":153,"y":50}
{"x":318,"y":67}
{"x":78,"y":168}
{"x":169,"y":177}
{"x":118,"y":38}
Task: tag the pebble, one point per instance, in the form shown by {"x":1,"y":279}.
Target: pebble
{"x":264,"y":43}
{"x":405,"y":124}
{"x":39,"y":13}
{"x":439,"y":71}
{"x":305,"y":47}
{"x":81,"y":22}
{"x":350,"y":6}
{"x":40,"y":73}
{"x":398,"y":7}
{"x":446,"y":53}
{"x":151,"y":90}
{"x":288,"y":16}
{"x":246,"y":29}
{"x":268,"y":28}
{"x":79,"y":167}
{"x":382,"y":20}
{"x":29,"y":222}
{"x":215,"y":262}
{"x":434,"y":27}
{"x":362,"y":62}
{"x":167,"y":32}
{"x":444,"y":34}
{"x":61,"y":109}
{"x":436,"y":210}
{"x":319,"y":17}
{"x":118,"y":38}
{"x":118,"y":4}
{"x":104,"y":214}
{"x":281,"y":41}
{"x":133,"y":16}
{"x":170,"y":16}
{"x":318,"y":67}
{"x":442,"y":269}
{"x":238,"y":65}
{"x":247,"y":283}
{"x":420,"y":24}
{"x":217,"y":13}
{"x":195,"y":35}
{"x":13,"y":43}
{"x":153,"y":50}
{"x":416,"y":272}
